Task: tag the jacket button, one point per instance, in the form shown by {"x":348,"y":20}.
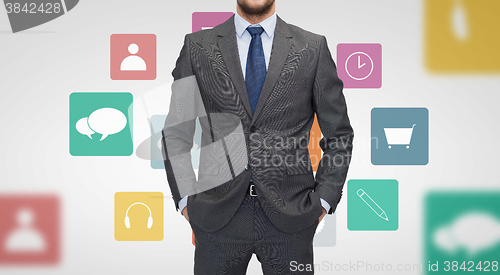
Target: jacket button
{"x":253,"y":129}
{"x":247,"y":167}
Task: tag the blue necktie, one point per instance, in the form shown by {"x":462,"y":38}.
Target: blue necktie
{"x":256,"y":66}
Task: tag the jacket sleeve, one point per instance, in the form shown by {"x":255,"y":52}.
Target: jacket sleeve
{"x":177,"y":135}
{"x":331,"y":110}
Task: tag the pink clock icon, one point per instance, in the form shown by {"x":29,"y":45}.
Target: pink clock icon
{"x":359,"y":66}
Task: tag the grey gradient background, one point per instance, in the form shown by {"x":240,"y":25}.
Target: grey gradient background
{"x":39,"y":68}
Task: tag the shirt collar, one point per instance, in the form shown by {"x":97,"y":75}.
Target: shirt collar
{"x":269,"y":25}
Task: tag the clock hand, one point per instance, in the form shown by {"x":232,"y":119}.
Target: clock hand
{"x":359,"y":63}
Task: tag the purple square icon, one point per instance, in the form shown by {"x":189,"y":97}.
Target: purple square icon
{"x":360,"y":65}
{"x":208,"y":20}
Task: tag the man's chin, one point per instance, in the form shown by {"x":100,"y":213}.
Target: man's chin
{"x":256,"y":10}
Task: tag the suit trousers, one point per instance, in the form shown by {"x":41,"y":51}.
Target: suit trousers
{"x":229,"y":249}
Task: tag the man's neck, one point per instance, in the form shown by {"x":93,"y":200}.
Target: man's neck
{"x":255,"y":18}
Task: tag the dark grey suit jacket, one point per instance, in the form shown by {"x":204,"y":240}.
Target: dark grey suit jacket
{"x":301,"y":81}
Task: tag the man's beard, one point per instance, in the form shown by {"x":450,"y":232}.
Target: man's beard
{"x":264,"y":9}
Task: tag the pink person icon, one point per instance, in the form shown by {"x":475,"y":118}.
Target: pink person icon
{"x":30,"y":231}
{"x":133,"y":57}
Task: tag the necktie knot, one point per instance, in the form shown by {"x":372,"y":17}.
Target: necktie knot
{"x":255,"y":30}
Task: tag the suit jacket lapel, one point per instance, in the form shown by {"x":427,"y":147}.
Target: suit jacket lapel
{"x":229,"y":51}
{"x":279,"y":52}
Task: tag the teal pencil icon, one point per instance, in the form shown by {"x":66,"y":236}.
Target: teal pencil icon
{"x":372,"y":204}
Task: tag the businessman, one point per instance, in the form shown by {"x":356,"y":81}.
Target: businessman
{"x":255,"y":84}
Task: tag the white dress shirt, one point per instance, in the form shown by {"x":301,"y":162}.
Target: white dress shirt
{"x":243,"y":39}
